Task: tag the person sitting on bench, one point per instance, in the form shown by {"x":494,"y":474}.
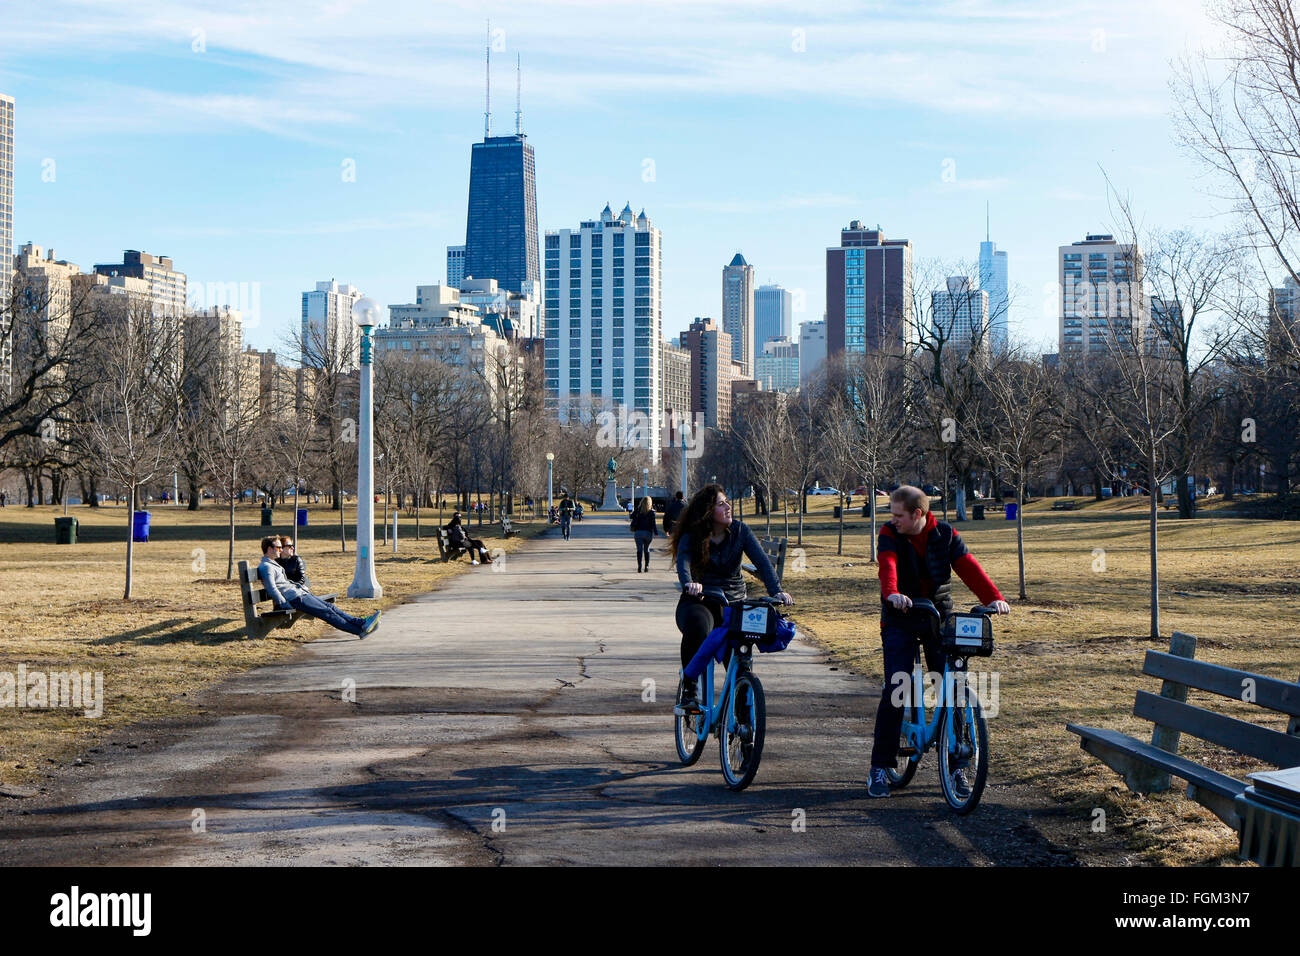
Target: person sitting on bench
{"x":286,"y":594}
{"x":457,"y":537}
{"x":294,"y":569}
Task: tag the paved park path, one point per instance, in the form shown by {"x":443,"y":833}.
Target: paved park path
{"x":501,"y":720}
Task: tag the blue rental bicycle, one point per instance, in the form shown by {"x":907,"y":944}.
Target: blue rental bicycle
{"x":737,"y":714}
{"x":956,"y":727}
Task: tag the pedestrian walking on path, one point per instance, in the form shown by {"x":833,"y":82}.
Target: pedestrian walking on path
{"x":644,"y":527}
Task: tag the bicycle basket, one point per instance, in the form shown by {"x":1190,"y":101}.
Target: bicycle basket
{"x":968,"y":635}
{"x":760,"y":625}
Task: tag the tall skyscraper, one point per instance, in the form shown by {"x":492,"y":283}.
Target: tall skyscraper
{"x":6,"y":235}
{"x":961,"y":314}
{"x":1097,"y":282}
{"x":738,"y":310}
{"x":167,"y":286}
{"x":772,"y":312}
{"x":812,"y":349}
{"x":330,"y":336}
{"x":712,"y":370}
{"x":868,"y":292}
{"x":593,"y":353}
{"x":993,"y":280}
{"x":456,"y":266}
{"x":501,"y":226}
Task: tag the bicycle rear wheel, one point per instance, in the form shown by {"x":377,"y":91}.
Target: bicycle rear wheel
{"x":744,"y":725}
{"x":967,"y":753}
{"x":686,"y":735}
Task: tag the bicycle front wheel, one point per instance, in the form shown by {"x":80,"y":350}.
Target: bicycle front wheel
{"x":686,"y":734}
{"x":964,"y":756}
{"x":744,"y":723}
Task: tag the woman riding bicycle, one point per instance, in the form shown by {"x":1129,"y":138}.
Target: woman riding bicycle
{"x":707,"y":545}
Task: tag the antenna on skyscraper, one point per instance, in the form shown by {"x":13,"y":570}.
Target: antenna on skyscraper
{"x":519,"y":112}
{"x":986,"y":220}
{"x":487,"y":76}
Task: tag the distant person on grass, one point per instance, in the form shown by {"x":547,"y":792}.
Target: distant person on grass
{"x":918,"y":554}
{"x":286,"y":594}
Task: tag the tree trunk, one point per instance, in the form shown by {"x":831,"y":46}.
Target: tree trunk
{"x":839,"y":544}
{"x":1020,"y":533}
{"x":803,"y":501}
{"x":871,"y":502}
{"x":1155,"y":568}
{"x":130,"y":543}
{"x":343,"y":531}
{"x":230,"y":551}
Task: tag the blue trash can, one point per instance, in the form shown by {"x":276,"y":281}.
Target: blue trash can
{"x":302,"y":517}
{"x":1011,"y":512}
{"x":140,"y":526}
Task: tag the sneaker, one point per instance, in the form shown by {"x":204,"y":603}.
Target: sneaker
{"x":959,"y":785}
{"x":686,"y":702}
{"x":474,"y":561}
{"x":879,"y":786}
{"x":370,"y":624}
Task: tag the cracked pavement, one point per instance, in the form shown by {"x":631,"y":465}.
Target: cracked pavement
{"x":501,"y":720}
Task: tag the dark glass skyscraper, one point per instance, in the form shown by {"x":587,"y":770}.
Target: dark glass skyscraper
{"x":501,"y":226}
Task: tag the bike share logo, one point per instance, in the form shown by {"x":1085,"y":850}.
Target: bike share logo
{"x":754,"y":620}
{"x":626,"y":428}
{"x":980,"y":687}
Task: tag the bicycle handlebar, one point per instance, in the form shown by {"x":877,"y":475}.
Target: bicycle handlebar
{"x":717,"y":595}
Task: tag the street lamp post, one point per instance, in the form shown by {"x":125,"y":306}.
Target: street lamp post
{"x":683,"y":485}
{"x":364,"y":583}
{"x":550,"y":483}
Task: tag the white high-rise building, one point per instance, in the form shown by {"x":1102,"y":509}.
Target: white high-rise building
{"x":328,"y":327}
{"x":604,"y":318}
{"x":773,"y":307}
{"x":778,"y":365}
{"x":1098,"y":281}
{"x":961,"y":314}
{"x":812,"y":349}
{"x":738,"y":310}
{"x":455,"y":266}
{"x":6,"y":235}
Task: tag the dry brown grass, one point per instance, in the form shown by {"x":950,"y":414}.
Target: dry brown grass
{"x":1073,"y":652}
{"x":184,"y":628}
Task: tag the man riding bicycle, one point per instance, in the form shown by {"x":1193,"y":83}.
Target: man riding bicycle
{"x":707,"y":545}
{"x":917,"y":555}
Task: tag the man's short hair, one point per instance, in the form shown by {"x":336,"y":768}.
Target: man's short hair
{"x":680,"y":496}
{"x":911,"y":497}
{"x":270,"y":539}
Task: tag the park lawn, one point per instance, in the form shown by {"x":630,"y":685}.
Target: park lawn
{"x":183,"y":630}
{"x":1073,"y":652}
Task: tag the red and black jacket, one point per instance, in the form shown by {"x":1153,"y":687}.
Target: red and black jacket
{"x":921,"y":565}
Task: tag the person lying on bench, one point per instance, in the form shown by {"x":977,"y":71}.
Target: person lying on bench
{"x":286,"y":594}
{"x":457,"y":537}
{"x":294,"y":569}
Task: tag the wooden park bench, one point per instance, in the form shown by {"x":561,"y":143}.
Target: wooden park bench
{"x":775,"y":549}
{"x":446,"y":549}
{"x":1148,"y":767}
{"x":1066,"y":505}
{"x":258,"y":623}
{"x":507,"y":527}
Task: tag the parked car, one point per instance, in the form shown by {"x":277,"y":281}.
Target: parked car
{"x":823,"y":491}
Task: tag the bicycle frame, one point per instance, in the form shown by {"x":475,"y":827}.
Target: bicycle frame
{"x":923,"y":733}
{"x":711,"y":709}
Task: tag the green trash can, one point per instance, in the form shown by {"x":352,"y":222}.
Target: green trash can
{"x":65,"y":530}
{"x":837,"y":511}
{"x":267,"y":515}
{"x":979,"y":512}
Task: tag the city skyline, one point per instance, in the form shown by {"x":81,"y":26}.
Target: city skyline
{"x":323,"y":186}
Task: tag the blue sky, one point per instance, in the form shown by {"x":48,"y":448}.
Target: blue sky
{"x":217,"y":133}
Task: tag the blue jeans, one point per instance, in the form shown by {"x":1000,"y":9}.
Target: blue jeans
{"x":643,"y":539}
{"x":898,"y":641}
{"x":314,"y":606}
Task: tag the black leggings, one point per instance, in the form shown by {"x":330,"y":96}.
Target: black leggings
{"x":695,"y":618}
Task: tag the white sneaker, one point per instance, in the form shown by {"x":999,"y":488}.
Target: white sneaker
{"x":475,"y":561}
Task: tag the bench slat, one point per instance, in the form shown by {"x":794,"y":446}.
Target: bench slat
{"x":1181,"y":767}
{"x":1270,"y":692}
{"x":1239,"y":735}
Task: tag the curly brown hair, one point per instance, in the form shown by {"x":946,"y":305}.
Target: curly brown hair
{"x":697,"y":520}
